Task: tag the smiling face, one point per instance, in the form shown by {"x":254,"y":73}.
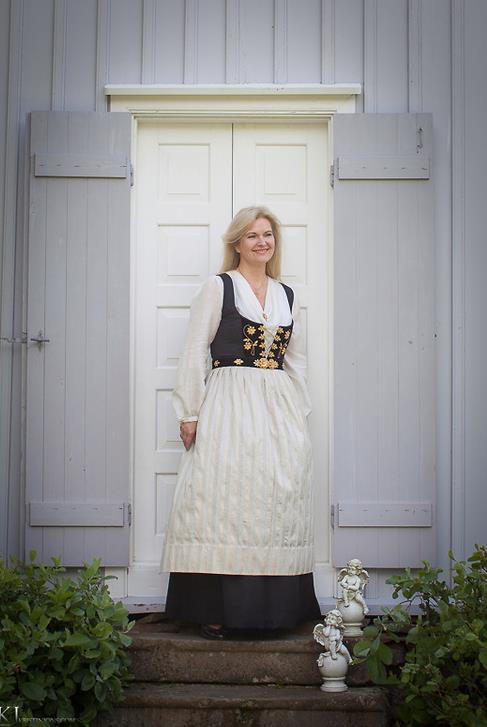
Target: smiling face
{"x":257,"y":244}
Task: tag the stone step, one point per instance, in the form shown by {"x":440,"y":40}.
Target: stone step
{"x":211,"y":705}
{"x":160,"y":653}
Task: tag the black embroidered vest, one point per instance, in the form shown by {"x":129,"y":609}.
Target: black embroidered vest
{"x":240,"y":341}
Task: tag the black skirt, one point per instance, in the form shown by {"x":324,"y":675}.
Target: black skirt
{"x":266,"y":602}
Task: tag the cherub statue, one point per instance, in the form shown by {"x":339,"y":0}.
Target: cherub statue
{"x":352,"y":579}
{"x":330,"y":636}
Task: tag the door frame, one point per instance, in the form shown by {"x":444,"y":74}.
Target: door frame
{"x":250,"y":103}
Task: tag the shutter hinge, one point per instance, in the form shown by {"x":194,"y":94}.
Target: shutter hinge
{"x":131,"y":174}
{"x":332,"y":516}
{"x":332,"y":175}
{"x":129,"y":513}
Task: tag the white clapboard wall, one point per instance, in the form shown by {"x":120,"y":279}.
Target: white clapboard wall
{"x":384,"y":448}
{"x":77,"y":421}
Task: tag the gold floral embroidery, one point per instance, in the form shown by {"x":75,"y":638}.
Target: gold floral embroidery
{"x":254,"y":341}
{"x":249,"y":345}
{"x":216,"y":362}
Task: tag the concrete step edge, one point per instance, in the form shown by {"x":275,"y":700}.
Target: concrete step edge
{"x":151,"y":642}
{"x":225,"y":696}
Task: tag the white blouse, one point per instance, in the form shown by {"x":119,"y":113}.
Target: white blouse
{"x":204,"y":320}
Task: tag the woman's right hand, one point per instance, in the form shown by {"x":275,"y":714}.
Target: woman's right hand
{"x":187,"y":432}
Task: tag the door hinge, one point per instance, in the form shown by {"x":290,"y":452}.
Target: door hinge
{"x":332,"y":516}
{"x":332,"y":175}
{"x":129,"y":513}
{"x":39,"y":339}
{"x":15,"y":339}
{"x":131,"y":174}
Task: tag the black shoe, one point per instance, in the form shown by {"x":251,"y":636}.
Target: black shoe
{"x":210,"y":632}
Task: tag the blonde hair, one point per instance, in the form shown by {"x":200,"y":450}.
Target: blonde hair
{"x":237,"y":229}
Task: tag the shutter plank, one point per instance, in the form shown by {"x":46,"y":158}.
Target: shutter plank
{"x":387,"y":167}
{"x":384,"y":514}
{"x":79,"y":165}
{"x":62,"y":514}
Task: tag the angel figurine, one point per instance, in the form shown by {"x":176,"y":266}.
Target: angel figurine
{"x":330,"y":636}
{"x":352,"y":579}
{"x":332,"y":663}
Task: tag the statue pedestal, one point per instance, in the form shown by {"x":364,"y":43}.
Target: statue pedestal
{"x":353,"y":616}
{"x":333,"y":672}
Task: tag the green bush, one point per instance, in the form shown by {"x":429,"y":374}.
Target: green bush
{"x":444,"y":678}
{"x":62,"y":642}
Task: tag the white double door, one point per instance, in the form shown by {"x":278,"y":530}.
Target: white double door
{"x":190,"y":180}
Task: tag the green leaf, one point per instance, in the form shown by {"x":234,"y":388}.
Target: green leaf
{"x":102,"y":630}
{"x":92,"y":654}
{"x":107,"y":669}
{"x":374,"y":646}
{"x":371,"y":632}
{"x":33,"y":691}
{"x":361,"y":648}
{"x":87,"y":682}
{"x":384,"y":653}
{"x":376,"y":670}
{"x":88,"y":715}
{"x":483,"y":658}
{"x":64,"y":709}
{"x":412,"y":636}
{"x":78,"y":640}
{"x":126,"y":640}
{"x":100,"y":691}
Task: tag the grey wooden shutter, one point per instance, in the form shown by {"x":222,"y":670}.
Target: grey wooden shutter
{"x":77,"y":420}
{"x":384,"y":498}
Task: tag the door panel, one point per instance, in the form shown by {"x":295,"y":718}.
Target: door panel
{"x":183,"y":205}
{"x":284,"y":166}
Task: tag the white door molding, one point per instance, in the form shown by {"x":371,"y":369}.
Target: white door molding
{"x":236,"y":101}
{"x":250,"y":103}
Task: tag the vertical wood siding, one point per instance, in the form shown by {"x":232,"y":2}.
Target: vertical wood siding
{"x":469,"y":264}
{"x":411,"y":55}
{"x":9,"y":102}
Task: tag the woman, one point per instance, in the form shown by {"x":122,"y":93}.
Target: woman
{"x":239,"y":542}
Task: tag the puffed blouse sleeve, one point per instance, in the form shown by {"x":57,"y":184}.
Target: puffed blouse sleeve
{"x":295,"y":362}
{"x":204,"y":319}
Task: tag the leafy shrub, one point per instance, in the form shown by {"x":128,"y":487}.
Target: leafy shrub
{"x":62,"y":642}
{"x":444,"y":678}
